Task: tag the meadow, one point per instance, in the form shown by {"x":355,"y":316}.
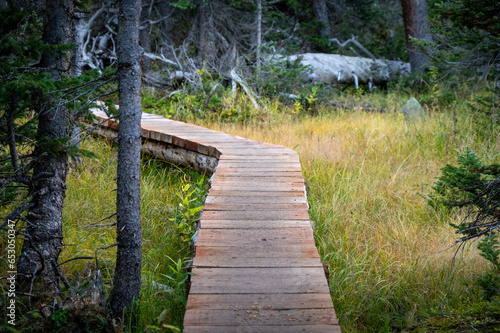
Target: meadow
{"x":392,"y":258}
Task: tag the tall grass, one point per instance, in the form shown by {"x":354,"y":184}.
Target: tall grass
{"x":91,"y":197}
{"x":391,"y":265}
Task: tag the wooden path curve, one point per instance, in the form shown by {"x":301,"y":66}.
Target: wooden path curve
{"x":256,"y":265}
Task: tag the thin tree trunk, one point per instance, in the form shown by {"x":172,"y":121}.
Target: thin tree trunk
{"x":259,"y":34}
{"x":166,"y":10}
{"x":321,"y":12}
{"x":127,"y":279}
{"x":416,"y":26}
{"x":144,"y":36}
{"x":206,"y":47}
{"x":41,"y":250}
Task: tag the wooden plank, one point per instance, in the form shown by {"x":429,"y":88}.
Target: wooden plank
{"x":257,"y":215}
{"x":245,"y":173}
{"x":293,"y":178}
{"x":254,"y":193}
{"x":286,"y":251}
{"x":222,"y":169}
{"x":300,"y":198}
{"x":260,"y":317}
{"x":259,"y":301}
{"x":262,"y":165}
{"x":233,"y":262}
{"x":255,"y":238}
{"x":264,"y":329}
{"x":277,"y":187}
{"x":254,"y":206}
{"x":294,"y":280}
{"x":253,"y":224}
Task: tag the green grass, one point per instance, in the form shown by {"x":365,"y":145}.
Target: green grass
{"x":90,"y":197}
{"x":368,"y":174}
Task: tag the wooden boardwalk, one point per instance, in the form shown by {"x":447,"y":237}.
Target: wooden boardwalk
{"x":256,"y":265}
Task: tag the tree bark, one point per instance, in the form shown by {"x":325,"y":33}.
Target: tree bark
{"x":127,"y":279}
{"x":259,"y":34}
{"x":416,"y":26}
{"x":41,"y":250}
{"x":205,"y":42}
{"x":321,"y":13}
{"x":166,"y":24}
{"x":144,"y":36}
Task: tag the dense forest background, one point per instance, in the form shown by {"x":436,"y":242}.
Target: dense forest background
{"x":381,"y":217}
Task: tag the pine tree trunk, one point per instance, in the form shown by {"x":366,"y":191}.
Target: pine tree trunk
{"x":259,"y":34}
{"x":206,"y":48}
{"x":321,"y":12}
{"x":127,"y":279}
{"x":166,"y":25}
{"x":41,"y":249}
{"x":144,"y":36}
{"x":416,"y":26}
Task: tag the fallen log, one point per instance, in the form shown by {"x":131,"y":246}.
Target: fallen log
{"x":340,"y":69}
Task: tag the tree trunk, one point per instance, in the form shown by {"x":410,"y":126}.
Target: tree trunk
{"x":416,"y":26}
{"x":166,"y":9}
{"x":321,"y":12}
{"x":127,"y":279}
{"x":77,"y":38}
{"x":144,"y":36}
{"x":259,"y":34}
{"x":206,"y":46}
{"x":41,"y":250}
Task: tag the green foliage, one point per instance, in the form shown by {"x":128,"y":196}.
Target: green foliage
{"x":282,"y":76}
{"x":458,"y":185}
{"x":466,"y":36}
{"x":188,"y":209}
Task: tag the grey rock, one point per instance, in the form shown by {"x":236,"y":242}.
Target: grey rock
{"x":413,"y":109}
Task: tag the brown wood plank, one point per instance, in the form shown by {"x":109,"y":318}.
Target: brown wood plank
{"x":293,"y":178}
{"x":286,"y":251}
{"x":260,"y":187}
{"x":259,"y":301}
{"x":257,"y":215}
{"x":256,"y":238}
{"x":300,"y":198}
{"x":254,"y":206}
{"x":260,"y":317}
{"x":264,"y":329}
{"x":294,"y":280}
{"x":229,"y":173}
{"x":233,"y":262}
{"x":237,"y":193}
{"x":253,"y":224}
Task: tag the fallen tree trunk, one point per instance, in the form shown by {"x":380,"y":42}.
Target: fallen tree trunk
{"x":339,"y":69}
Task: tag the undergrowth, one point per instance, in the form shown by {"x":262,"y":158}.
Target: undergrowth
{"x":90,"y":197}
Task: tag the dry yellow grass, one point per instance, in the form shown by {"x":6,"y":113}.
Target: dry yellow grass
{"x":367,"y":174}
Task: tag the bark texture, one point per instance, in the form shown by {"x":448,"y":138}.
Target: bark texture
{"x":166,"y":9}
{"x":127,"y":279}
{"x":41,"y":249}
{"x":321,"y":13}
{"x":144,"y":33}
{"x":416,"y":26}
{"x":207,"y":51}
{"x":259,"y":33}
